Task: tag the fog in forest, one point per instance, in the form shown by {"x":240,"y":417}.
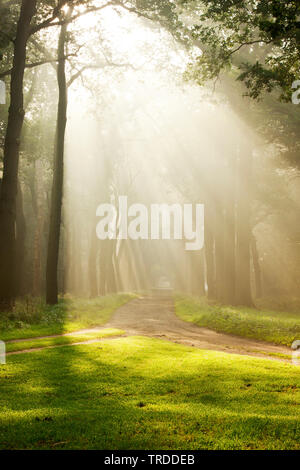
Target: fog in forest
{"x":137,"y":127}
{"x":157,"y":139}
{"x":149,"y":227}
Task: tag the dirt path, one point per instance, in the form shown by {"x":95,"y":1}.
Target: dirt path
{"x":155,"y":317}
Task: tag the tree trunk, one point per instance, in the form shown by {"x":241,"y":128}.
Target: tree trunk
{"x":11,"y":158}
{"x":220,"y":250}
{"x":256,"y":268}
{"x":107,"y":274}
{"x":111,"y":283}
{"x":209,"y":250}
{"x":38,"y":231}
{"x":93,"y":275}
{"x":58,"y":176}
{"x":116,"y":262}
{"x":196,"y":275}
{"x":243,"y":282}
{"x":229,"y":234}
{"x":20,"y":244}
{"x":77,"y":269}
{"x":132,"y":282}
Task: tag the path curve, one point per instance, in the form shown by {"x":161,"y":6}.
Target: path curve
{"x":155,"y":317}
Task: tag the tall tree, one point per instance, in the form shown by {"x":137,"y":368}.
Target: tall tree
{"x":230,"y":231}
{"x":58,"y":171}
{"x":9,"y":185}
{"x":31,"y":20}
{"x":243,"y":282}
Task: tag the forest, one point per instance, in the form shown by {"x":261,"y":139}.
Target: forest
{"x":150,"y":109}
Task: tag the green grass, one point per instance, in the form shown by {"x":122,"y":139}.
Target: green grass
{"x":142,"y":393}
{"x":61,"y":340}
{"x":33,"y":318}
{"x":275,"y":327}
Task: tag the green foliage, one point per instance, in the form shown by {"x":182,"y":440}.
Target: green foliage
{"x":8,"y":20}
{"x":32,"y":317}
{"x":275,"y":327}
{"x":142,"y":393}
{"x":267,"y":30}
{"x":163,"y":12}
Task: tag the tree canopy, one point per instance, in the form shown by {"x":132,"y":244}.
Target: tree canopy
{"x":258,"y":39}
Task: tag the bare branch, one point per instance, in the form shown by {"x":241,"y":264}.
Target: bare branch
{"x":49,"y":22}
{"x":44,"y":51}
{"x":35,"y":64}
{"x":133,"y":10}
{"x":250,"y":43}
{"x":96,"y":66}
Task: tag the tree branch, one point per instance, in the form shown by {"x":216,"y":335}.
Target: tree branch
{"x":96,"y":66}
{"x":47,"y":23}
{"x":35,"y":64}
{"x":250,"y":43}
{"x":133,"y":10}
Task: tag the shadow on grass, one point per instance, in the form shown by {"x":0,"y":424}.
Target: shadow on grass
{"x":139,"y":393}
{"x":35,"y":318}
{"x":31,"y":317}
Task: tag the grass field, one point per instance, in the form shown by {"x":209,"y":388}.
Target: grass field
{"x":142,"y":393}
{"x":34,"y":318}
{"x":272,"y":326}
{"x":52,"y":341}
